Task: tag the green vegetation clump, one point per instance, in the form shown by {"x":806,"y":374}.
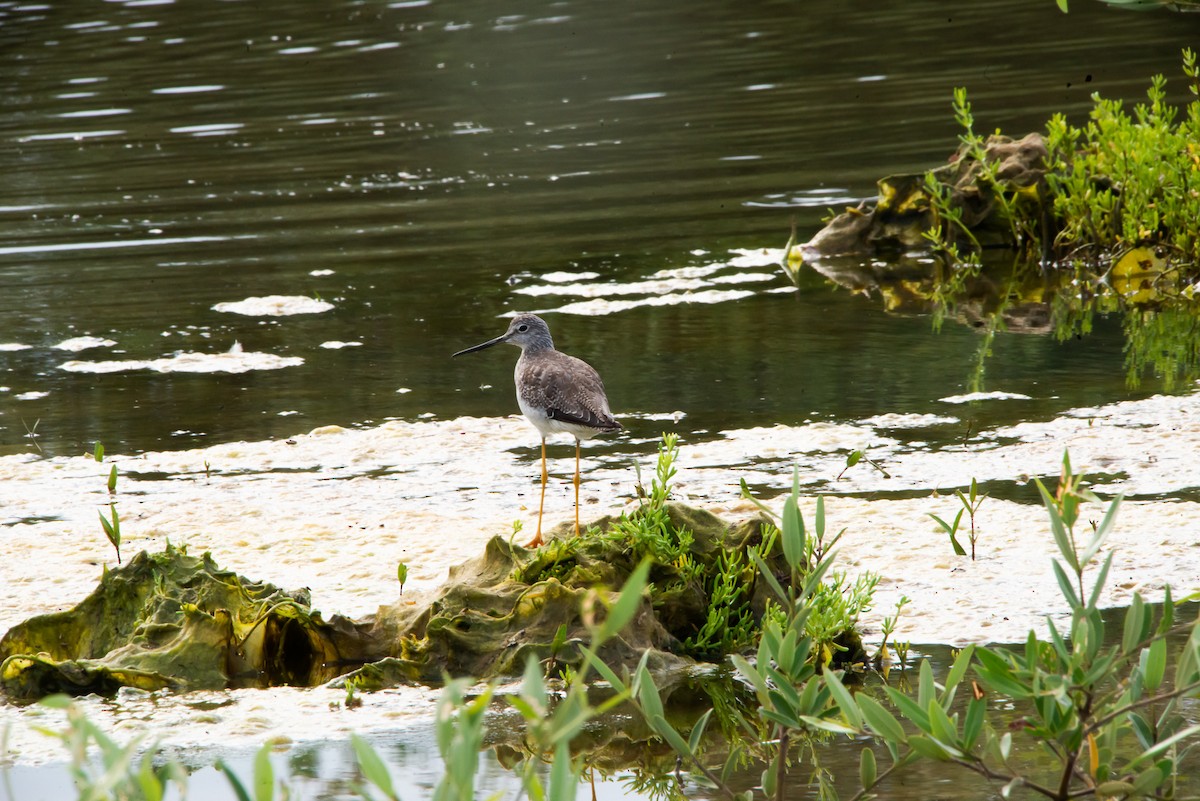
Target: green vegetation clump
{"x":1118,"y":183}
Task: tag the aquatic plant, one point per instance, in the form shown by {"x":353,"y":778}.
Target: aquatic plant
{"x":970,"y":505}
{"x":1109,"y":718}
{"x":112,"y":528}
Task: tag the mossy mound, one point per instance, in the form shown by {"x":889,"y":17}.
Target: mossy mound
{"x":174,"y":621}
{"x":170,"y":620}
{"x":903,"y":212}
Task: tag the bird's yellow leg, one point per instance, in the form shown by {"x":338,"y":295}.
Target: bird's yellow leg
{"x":576,"y":488}
{"x":537,"y":538}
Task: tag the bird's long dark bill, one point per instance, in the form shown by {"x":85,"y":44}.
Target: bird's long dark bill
{"x":480,"y":346}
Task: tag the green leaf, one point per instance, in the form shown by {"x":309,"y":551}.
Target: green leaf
{"x":1058,"y":528}
{"x":1094,"y":597}
{"x":238,"y":788}
{"x":881,"y":721}
{"x":867,"y":770}
{"x":1062,"y":5}
{"x":402,"y":574}
{"x":973,"y":722}
{"x":57,"y":701}
{"x":1163,"y":745}
{"x":844,"y":699}
{"x":1148,"y":780}
{"x":909,"y":708}
{"x":926,"y":688}
{"x":793,"y":534}
{"x":751,"y":674}
{"x":604,"y":670}
{"x":764,"y":570}
{"x":151,"y":787}
{"x":928,"y":748}
{"x":112,"y":479}
{"x":1102,"y":530}
{"x":563,"y":780}
{"x":98,"y":453}
{"x":823,"y":724}
{"x":372,"y":766}
{"x":1137,"y":624}
{"x":648,"y":695}
{"x":959,"y":669}
{"x":952,"y":530}
{"x":264,"y":775}
{"x":665,"y":730}
{"x":940,"y":725}
{"x":698,"y":732}
{"x":1064,"y":584}
{"x":625,"y":606}
{"x":1154,"y":664}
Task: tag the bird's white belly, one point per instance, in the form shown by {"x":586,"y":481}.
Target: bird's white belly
{"x":547,"y":426}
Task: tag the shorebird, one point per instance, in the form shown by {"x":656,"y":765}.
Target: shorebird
{"x":556,"y":392}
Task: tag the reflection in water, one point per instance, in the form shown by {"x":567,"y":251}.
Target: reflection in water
{"x":1157,"y":308}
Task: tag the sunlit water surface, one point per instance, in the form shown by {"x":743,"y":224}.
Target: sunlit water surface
{"x":394,"y":178}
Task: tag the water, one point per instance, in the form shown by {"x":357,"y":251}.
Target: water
{"x":162,"y":159}
{"x":422,"y":166}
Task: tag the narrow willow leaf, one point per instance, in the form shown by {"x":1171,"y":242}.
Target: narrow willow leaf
{"x":793,"y":539}
{"x":1064,"y":584}
{"x":152,"y":788}
{"x":623,"y":609}
{"x":665,"y":730}
{"x":1154,"y":664}
{"x":973,"y":722}
{"x":604,"y":670}
{"x":1058,"y":528}
{"x":698,"y":732}
{"x":928,"y":748}
{"x":844,"y":700}
{"x":1137,"y":624}
{"x":959,"y":669}
{"x":372,"y":766}
{"x":1094,"y":598}
{"x":563,"y":780}
{"x":264,"y":775}
{"x":1163,"y":745}
{"x":909,"y":708}
{"x":926,"y":689}
{"x":234,"y":782}
{"x":648,"y":695}
{"x":940,"y":725}
{"x":881,"y":721}
{"x":1102,"y":530}
{"x":867,"y":770}
{"x":764,"y":570}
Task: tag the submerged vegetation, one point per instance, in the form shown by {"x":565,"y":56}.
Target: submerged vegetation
{"x":1046,"y":233}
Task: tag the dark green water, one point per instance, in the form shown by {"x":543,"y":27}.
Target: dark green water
{"x":161,"y":159}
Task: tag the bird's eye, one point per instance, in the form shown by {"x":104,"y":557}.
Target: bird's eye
{"x":522,"y":327}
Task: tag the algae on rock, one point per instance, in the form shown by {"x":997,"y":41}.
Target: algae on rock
{"x":173,"y":621}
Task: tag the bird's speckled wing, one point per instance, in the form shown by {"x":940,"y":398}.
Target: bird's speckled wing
{"x":568,"y":389}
